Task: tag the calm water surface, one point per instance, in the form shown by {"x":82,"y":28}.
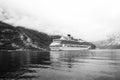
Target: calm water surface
{"x":60,"y":65}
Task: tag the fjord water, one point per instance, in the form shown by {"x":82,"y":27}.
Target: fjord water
{"x":60,"y":65}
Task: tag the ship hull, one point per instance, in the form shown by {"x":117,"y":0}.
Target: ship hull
{"x":68,"y":48}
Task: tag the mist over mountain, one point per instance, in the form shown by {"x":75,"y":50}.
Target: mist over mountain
{"x":90,"y":21}
{"x":18,"y":18}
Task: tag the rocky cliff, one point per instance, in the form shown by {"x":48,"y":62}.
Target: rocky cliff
{"x":20,"y":38}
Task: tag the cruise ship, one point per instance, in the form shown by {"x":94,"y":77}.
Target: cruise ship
{"x":68,"y":43}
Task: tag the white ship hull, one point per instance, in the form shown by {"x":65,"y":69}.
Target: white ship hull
{"x":68,"y":48}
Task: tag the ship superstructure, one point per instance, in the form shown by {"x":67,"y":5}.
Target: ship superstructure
{"x":68,"y":43}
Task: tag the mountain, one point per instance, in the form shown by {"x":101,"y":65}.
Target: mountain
{"x":20,"y":38}
{"x":112,"y":42}
{"x":13,"y":38}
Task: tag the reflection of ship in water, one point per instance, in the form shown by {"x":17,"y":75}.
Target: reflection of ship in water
{"x":68,"y":43}
{"x":62,"y":59}
{"x":68,"y":58}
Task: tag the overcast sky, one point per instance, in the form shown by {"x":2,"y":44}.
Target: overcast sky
{"x":87,"y":19}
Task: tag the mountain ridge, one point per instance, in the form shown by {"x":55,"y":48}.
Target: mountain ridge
{"x":22,"y":38}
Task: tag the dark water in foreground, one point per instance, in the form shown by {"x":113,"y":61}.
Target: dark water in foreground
{"x":60,"y":65}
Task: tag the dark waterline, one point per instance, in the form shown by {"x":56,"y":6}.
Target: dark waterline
{"x":60,"y":65}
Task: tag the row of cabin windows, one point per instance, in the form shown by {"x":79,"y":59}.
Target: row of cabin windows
{"x":69,"y":45}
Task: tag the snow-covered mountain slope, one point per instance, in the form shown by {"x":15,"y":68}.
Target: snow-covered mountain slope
{"x":112,"y":42}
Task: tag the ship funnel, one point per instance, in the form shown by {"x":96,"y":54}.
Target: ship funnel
{"x":68,"y":35}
